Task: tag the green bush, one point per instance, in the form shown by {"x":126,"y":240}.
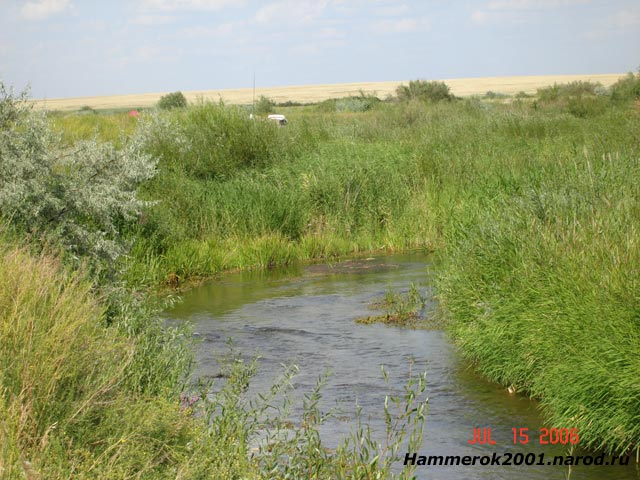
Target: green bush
{"x":627,"y":88}
{"x":264,"y":105}
{"x":172,"y":100}
{"x":361,"y":103}
{"x":432,"y":91}
{"x":214,"y":141}
{"x":577,"y":89}
{"x":79,"y":198}
{"x":580,"y":98}
{"x":327,"y":106}
{"x":491,"y":95}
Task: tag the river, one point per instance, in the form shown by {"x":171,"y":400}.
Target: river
{"x":305,"y":315}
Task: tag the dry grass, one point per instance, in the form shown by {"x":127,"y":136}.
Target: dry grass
{"x":316,"y":93}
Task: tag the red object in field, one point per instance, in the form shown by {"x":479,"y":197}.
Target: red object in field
{"x":134,"y":113}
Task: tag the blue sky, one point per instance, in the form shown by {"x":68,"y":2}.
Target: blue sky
{"x":69,"y":48}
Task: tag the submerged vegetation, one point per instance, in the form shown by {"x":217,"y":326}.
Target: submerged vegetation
{"x":401,"y":308}
{"x":531,"y":205}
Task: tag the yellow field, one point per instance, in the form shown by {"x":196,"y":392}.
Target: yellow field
{"x":315,"y":93}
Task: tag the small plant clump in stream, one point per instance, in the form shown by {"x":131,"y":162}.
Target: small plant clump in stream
{"x":401,"y":309}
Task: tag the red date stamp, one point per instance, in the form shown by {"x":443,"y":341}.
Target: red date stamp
{"x":545,"y":436}
{"x":548,"y":436}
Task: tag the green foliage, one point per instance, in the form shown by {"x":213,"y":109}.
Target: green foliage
{"x":67,"y":409}
{"x":491,"y":95}
{"x":78,"y":197}
{"x":172,"y":100}
{"x":296,"y":450}
{"x":71,"y":128}
{"x":88,"y":109}
{"x":534,"y":213}
{"x":430,"y":91}
{"x":539,"y":281}
{"x":522,"y":95}
{"x":575,"y":89}
{"x":361,"y":103}
{"x":627,"y":88}
{"x":264,"y":105}
{"x":211,"y":141}
{"x":580,"y":98}
{"x":401,"y":308}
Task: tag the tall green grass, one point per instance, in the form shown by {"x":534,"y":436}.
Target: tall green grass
{"x":534,"y":212}
{"x":67,"y":406}
{"x":532,"y":208}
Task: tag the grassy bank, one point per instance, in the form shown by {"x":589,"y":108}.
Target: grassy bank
{"x":530,"y":203}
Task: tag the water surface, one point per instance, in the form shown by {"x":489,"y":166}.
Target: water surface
{"x":306,"y":316}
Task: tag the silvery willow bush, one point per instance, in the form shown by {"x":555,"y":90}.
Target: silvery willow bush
{"x":79,"y":197}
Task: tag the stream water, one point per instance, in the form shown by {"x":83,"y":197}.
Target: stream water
{"x":306,"y":316}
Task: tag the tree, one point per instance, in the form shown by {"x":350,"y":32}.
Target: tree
{"x":264,"y":105}
{"x":432,"y":91}
{"x":172,"y":100}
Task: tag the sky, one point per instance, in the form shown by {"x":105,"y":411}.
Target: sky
{"x":71,"y":48}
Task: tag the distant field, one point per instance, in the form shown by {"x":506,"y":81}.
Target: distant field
{"x":316,"y":93}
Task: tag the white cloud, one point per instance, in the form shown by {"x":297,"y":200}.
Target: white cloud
{"x":328,"y":33}
{"x":315,"y":48}
{"x":143,"y":54}
{"x":223,"y":30}
{"x":516,"y":12}
{"x":290,"y":12}
{"x":150,"y":20}
{"x":190,"y":5}
{"x":480,"y":17}
{"x":532,"y":4}
{"x":392,"y":10}
{"x":623,"y":21}
{"x":42,"y":9}
{"x":402,"y":25}
{"x":626,"y":19}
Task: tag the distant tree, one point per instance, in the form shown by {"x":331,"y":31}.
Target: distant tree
{"x":627,"y":88}
{"x":172,"y":100}
{"x":264,"y":105}
{"x":432,"y":91}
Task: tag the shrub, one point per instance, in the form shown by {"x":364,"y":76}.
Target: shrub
{"x":579,"y":98}
{"x":327,"y":106}
{"x":627,"y":88}
{"x":432,"y":91}
{"x":569,"y":90}
{"x":172,"y":100}
{"x":494,"y":95}
{"x":522,"y":95}
{"x":361,"y":103}
{"x":87,"y":109}
{"x":264,"y":105}
{"x":77,"y":197}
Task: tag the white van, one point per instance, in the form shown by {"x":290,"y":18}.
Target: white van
{"x":280,"y":119}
